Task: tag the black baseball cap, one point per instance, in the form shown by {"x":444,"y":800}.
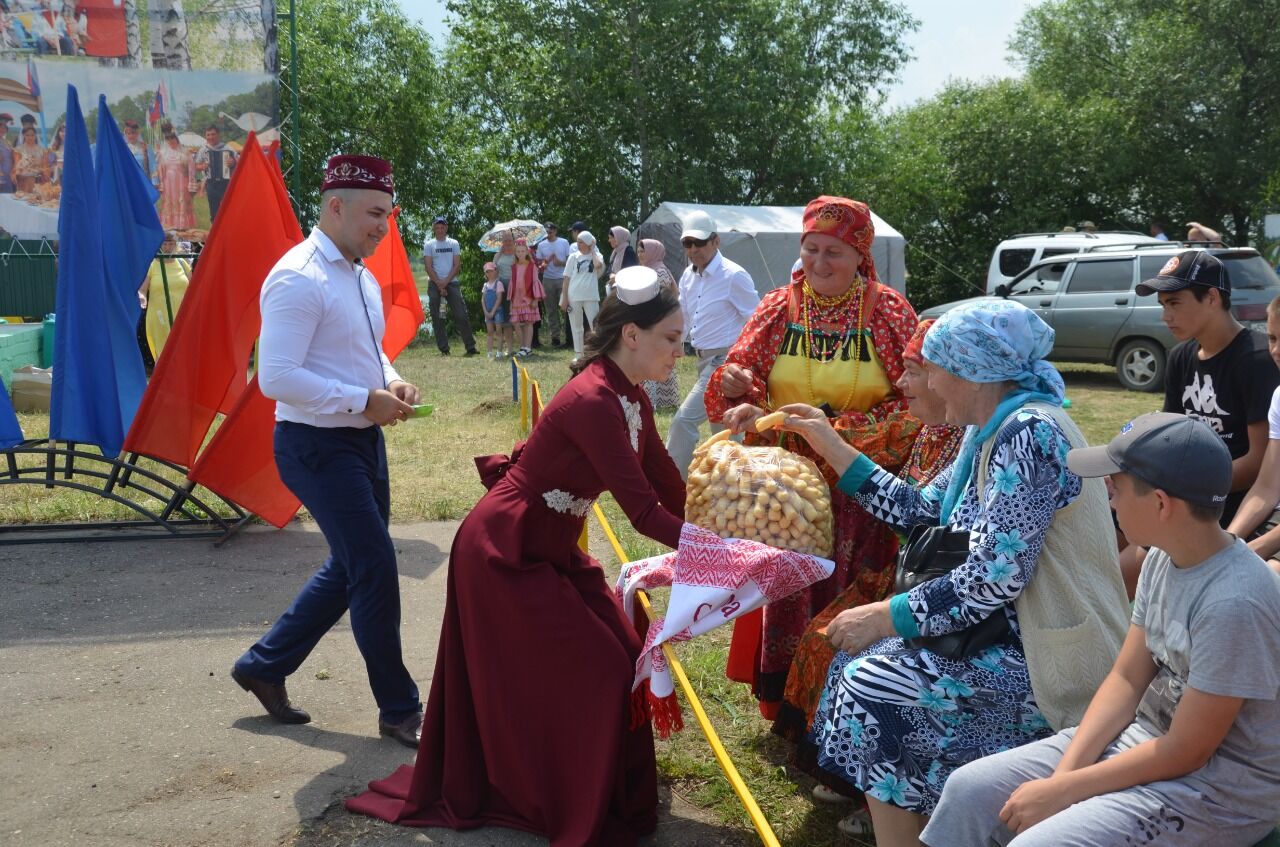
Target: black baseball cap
{"x":1188,"y":268}
{"x":1179,"y":455}
{"x":550,"y":225}
{"x":578,"y":226}
{"x":440,"y":220}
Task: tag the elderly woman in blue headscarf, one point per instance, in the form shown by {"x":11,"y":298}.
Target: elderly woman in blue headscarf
{"x":1010,"y":607}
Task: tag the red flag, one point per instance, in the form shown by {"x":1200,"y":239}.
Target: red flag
{"x":205,"y":363}
{"x":401,"y":305}
{"x":107,"y":28}
{"x":240,"y":464}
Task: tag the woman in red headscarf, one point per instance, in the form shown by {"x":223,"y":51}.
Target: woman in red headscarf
{"x":833,"y":338}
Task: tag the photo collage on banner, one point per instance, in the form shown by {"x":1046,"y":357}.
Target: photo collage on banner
{"x":187,"y":82}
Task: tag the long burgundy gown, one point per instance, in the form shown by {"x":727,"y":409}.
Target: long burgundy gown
{"x":529,"y":720}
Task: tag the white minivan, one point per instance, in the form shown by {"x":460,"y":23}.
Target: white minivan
{"x":1015,"y":255}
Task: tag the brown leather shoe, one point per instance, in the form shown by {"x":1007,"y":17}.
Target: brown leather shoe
{"x":272,"y":696}
{"x":408,"y":732}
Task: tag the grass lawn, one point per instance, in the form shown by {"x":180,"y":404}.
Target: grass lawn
{"x":433,"y":478}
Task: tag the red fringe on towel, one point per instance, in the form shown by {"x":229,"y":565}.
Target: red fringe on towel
{"x":665,"y":712}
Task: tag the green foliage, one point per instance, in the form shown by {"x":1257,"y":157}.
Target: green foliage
{"x":1131,"y":112}
{"x":369,"y":83}
{"x":976,"y":164}
{"x":600,"y":111}
{"x":1198,"y":84}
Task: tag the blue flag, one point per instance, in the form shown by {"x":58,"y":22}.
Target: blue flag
{"x":108,"y":232}
{"x":10,"y":431}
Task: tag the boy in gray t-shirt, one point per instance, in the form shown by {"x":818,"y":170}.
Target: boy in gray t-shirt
{"x":1181,"y":743}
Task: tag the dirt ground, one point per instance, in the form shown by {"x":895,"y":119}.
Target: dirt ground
{"x":122,"y":727}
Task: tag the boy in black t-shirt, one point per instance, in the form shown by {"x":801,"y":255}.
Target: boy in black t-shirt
{"x":1221,"y":373}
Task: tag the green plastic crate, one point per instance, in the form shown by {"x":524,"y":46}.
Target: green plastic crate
{"x":19,"y":346}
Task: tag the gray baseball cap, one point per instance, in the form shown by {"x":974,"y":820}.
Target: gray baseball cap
{"x":1179,"y":455}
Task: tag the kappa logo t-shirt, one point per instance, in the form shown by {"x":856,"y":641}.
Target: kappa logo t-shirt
{"x":1227,"y":391}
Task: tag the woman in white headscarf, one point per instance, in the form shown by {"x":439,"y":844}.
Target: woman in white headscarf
{"x":580,"y":294}
{"x":651,"y":253}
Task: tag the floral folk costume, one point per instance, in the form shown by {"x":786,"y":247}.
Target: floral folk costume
{"x":845,"y":352}
{"x":895,"y":721}
{"x":935,"y":448}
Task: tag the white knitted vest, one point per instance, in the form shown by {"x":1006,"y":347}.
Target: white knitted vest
{"x":1074,"y":613}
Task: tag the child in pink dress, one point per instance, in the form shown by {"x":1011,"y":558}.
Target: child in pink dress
{"x":524,"y":294}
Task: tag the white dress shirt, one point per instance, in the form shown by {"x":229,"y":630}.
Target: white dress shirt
{"x":716,"y":303}
{"x":320,"y":352}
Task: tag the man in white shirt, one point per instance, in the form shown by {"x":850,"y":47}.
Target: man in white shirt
{"x":717,"y":297}
{"x":442,"y":256}
{"x":552,"y":255}
{"x":320,"y":358}
{"x":216,"y":162}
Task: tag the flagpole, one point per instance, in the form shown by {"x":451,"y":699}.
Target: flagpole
{"x":33,"y":85}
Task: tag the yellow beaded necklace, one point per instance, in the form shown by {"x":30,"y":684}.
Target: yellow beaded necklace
{"x":828,"y":302}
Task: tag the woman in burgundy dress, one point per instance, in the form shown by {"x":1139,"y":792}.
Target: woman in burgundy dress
{"x":530,"y":722}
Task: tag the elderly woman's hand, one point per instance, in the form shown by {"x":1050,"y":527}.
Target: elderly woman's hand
{"x":735,"y":381}
{"x":742,"y":418}
{"x":853,"y":630}
{"x":813,"y":426}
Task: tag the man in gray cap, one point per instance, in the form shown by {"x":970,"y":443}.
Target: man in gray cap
{"x":1181,"y":743}
{"x":717,"y":297}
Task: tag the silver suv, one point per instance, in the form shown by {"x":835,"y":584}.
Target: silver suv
{"x":1088,"y":299}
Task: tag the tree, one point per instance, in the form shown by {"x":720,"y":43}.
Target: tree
{"x":976,"y":164}
{"x":601,"y":110}
{"x":369,"y":83}
{"x":169,"y":36}
{"x":1198,"y":83}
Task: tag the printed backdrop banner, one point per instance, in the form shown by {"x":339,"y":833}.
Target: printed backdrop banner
{"x":186,"y":80}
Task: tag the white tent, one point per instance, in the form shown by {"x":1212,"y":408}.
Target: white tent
{"x":765,"y":240}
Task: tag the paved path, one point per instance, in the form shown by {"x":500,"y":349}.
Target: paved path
{"x":121,"y":726}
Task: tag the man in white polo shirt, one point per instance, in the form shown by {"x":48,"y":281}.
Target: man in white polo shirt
{"x":717,"y":297}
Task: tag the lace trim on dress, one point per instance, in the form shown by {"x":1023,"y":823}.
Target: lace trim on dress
{"x":566,"y":503}
{"x":631,"y":410}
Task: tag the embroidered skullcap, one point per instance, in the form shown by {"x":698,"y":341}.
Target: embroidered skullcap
{"x":994,"y":341}
{"x":915,"y":344}
{"x":348,"y":171}
{"x":636,"y":284}
{"x":845,"y":219}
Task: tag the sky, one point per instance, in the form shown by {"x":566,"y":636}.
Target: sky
{"x":961,"y":39}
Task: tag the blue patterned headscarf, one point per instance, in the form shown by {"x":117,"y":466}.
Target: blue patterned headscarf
{"x":994,"y":341}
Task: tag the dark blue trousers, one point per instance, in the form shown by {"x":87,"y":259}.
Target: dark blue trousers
{"x":340,"y":475}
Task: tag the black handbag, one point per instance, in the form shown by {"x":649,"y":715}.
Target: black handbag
{"x":933,"y":551}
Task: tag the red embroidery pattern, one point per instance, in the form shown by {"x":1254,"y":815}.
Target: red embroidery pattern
{"x":884,"y":433}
